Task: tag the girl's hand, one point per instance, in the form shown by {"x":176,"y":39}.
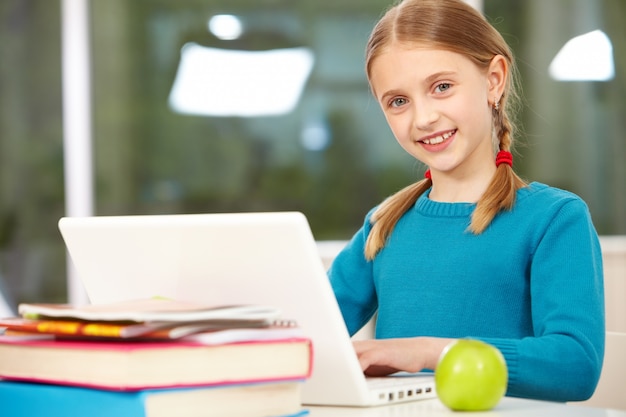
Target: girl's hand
{"x":379,"y":357}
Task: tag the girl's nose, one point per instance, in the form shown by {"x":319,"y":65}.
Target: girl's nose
{"x":425,"y":115}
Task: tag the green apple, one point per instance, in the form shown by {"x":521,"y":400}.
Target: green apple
{"x":471,"y":375}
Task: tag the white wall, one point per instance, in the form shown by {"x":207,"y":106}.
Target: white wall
{"x":614,"y":258}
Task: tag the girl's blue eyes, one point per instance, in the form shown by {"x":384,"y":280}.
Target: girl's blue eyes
{"x":442,"y":87}
{"x":400,"y":101}
{"x":397,"y":102}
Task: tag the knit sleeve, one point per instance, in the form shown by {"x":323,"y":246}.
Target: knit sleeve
{"x":351,"y":277}
{"x":563,"y":360}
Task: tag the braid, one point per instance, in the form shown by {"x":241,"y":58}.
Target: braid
{"x":389,"y":212}
{"x":500,"y":194}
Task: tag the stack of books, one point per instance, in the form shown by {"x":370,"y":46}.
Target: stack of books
{"x":152,"y":358}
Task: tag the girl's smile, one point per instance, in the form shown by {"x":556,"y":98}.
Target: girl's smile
{"x":438,"y":106}
{"x":438,"y":141}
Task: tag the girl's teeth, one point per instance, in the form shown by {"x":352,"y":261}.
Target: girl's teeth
{"x":434,"y":141}
{"x":438,"y":139}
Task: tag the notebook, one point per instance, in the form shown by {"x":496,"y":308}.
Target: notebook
{"x":257,"y":258}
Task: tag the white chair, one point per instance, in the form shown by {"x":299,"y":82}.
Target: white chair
{"x":611,"y":390}
{"x":5,"y":310}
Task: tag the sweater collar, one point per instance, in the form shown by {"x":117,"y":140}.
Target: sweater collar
{"x":428,"y":207}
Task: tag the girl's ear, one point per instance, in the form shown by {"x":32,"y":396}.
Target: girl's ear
{"x":496,"y":77}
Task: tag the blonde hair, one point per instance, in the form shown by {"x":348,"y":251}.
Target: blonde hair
{"x":457,"y":27}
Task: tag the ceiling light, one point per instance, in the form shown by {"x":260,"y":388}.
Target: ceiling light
{"x":224,"y":82}
{"x":587,"y":57}
{"x":225,"y":26}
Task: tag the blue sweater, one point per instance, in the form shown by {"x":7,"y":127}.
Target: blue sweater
{"x":531,"y":284}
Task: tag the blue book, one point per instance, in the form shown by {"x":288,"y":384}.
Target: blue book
{"x":25,"y":399}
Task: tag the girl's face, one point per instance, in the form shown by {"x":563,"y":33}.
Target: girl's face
{"x":438,"y":105}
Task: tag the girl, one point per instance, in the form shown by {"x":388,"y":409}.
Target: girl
{"x":471,"y":250}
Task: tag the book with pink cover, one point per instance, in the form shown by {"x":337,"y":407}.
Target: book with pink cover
{"x":124,"y":365}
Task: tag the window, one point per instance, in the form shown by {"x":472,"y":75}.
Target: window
{"x":330,"y":155}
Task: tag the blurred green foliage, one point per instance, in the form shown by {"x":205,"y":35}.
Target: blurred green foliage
{"x":150,"y":160}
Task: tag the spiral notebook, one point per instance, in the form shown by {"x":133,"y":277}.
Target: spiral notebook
{"x":234,"y":258}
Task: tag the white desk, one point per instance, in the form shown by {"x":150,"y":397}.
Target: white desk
{"x":434,"y":408}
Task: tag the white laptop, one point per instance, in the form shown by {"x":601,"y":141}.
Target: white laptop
{"x":257,"y":258}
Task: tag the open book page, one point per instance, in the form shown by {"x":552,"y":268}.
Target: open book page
{"x":150,"y":310}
